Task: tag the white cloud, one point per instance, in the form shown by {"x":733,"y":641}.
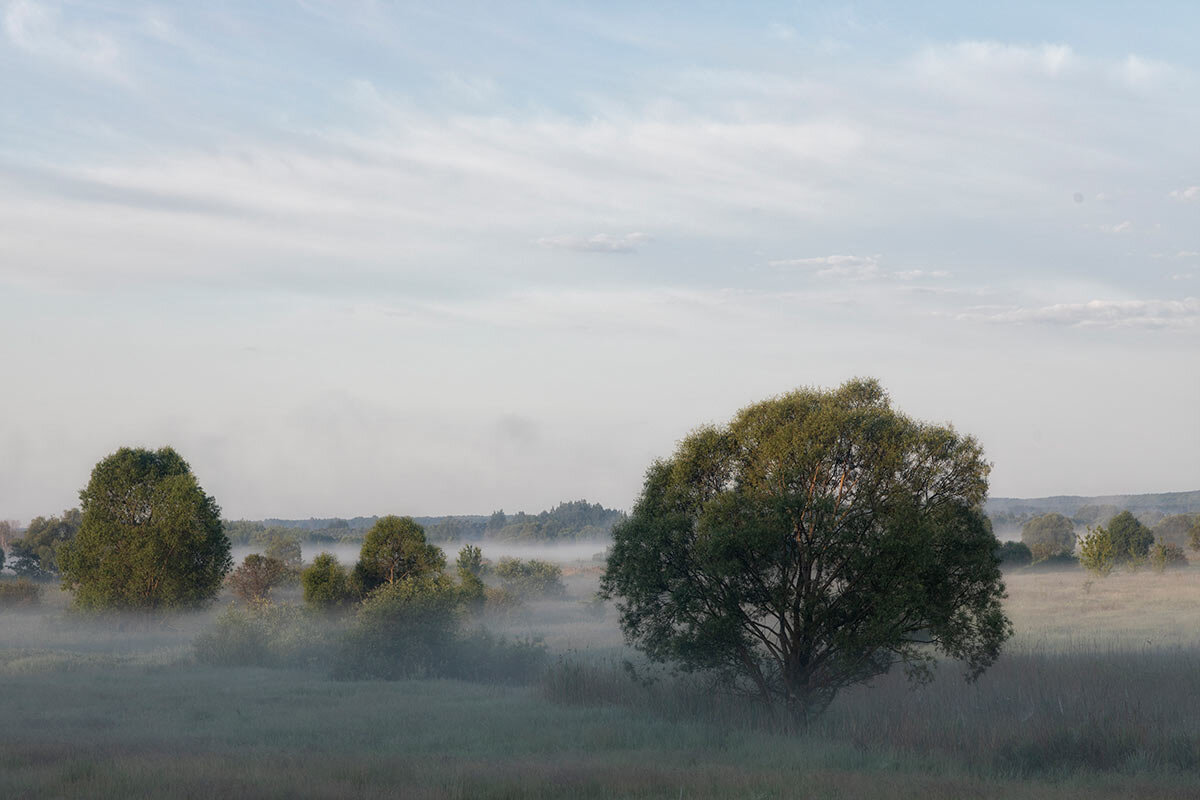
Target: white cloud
{"x":858,"y":268}
{"x":598,"y":243}
{"x":1183,"y":313}
{"x":1186,"y":195}
{"x":38,"y":29}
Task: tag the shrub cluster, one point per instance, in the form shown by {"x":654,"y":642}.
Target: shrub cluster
{"x":18,"y":593}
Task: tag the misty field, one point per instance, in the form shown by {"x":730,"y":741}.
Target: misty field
{"x":1097,"y":695}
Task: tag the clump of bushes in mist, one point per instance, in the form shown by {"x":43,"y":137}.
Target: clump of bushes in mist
{"x":396,"y":614}
{"x":21,"y":593}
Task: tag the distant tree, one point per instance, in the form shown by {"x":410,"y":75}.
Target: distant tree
{"x":470,"y":575}
{"x":497,"y":521}
{"x":1175,"y":529}
{"x":1097,"y":552}
{"x":1015,"y":554}
{"x":255,"y":578}
{"x":530,"y":579}
{"x":1,"y":559}
{"x":285,"y":549}
{"x":395,"y":548}
{"x":1194,"y":534}
{"x":35,"y":555}
{"x":326,"y":583}
{"x":815,"y":542}
{"x":1167,"y":556}
{"x":1048,"y":536}
{"x":149,"y":538}
{"x":1131,"y":539}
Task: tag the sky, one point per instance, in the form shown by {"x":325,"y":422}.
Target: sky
{"x":445,"y":258}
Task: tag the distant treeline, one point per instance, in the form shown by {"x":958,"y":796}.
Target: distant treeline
{"x":577,"y":520}
{"x":1150,"y":509}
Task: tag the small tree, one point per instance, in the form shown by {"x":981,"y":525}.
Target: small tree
{"x":394,"y":549}
{"x":470,"y":575}
{"x":1194,"y":534}
{"x":1131,"y":539}
{"x":285,"y":549}
{"x":1097,"y":552}
{"x":1048,"y":536}
{"x":255,"y":578}
{"x":326,"y":583}
{"x":1167,"y":556}
{"x":35,"y":555}
{"x":149,"y":537}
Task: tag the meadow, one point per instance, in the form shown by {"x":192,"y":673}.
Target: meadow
{"x":1097,"y":695}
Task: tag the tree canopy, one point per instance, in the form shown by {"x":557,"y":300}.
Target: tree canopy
{"x":1131,"y":539}
{"x":395,"y":548}
{"x":35,"y":555}
{"x":149,"y":536}
{"x":1048,"y":536}
{"x":816,"y":541}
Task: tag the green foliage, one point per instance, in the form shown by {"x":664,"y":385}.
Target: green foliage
{"x":1131,"y":539}
{"x":1194,"y":534}
{"x":1097,"y":552}
{"x":1175,"y":529}
{"x":403,"y":629}
{"x":1014,"y":554}
{"x":149,"y":537}
{"x":1167,"y":556}
{"x":285,"y":548}
{"x":326,"y":583}
{"x":262,"y":635}
{"x":470,"y":576}
{"x":19,"y":593}
{"x":1048,"y":536}
{"x":395,"y":549}
{"x":35,"y":555}
{"x":815,"y":542}
{"x":255,"y":578}
{"x":571,"y":521}
{"x":530,"y":579}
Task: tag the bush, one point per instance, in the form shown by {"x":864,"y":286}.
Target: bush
{"x":1131,"y":539}
{"x":326,"y":583}
{"x":21,"y":592}
{"x":262,"y":635}
{"x":1015,"y":554}
{"x":1097,"y":552}
{"x":252,"y":581}
{"x":403,"y":630}
{"x":530,"y":579}
{"x":1167,"y":556}
{"x":1049,"y":535}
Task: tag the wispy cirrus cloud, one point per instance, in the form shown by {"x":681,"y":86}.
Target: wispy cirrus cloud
{"x":38,"y":29}
{"x":857,"y":268}
{"x":1184,"y":313}
{"x":596,"y":243}
{"x":1186,"y":195}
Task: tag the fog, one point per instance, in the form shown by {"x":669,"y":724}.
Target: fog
{"x":565,"y":553}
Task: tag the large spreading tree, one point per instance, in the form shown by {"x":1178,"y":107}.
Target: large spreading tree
{"x":149,"y":536}
{"x":816,"y":541}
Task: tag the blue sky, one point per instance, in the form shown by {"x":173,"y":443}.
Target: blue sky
{"x":363,"y":258}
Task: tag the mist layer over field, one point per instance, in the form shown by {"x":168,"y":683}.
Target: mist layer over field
{"x":1098,"y":695}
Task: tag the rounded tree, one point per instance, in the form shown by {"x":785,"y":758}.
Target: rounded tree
{"x":1049,"y":536}
{"x":149,"y":536}
{"x":394,"y":549}
{"x":816,"y":541}
{"x":326,"y":583}
{"x":1131,"y":539}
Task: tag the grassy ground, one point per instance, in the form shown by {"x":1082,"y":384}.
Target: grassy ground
{"x":1099,"y":696}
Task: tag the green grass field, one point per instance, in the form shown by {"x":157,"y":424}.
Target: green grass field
{"x":1097,"y":697}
